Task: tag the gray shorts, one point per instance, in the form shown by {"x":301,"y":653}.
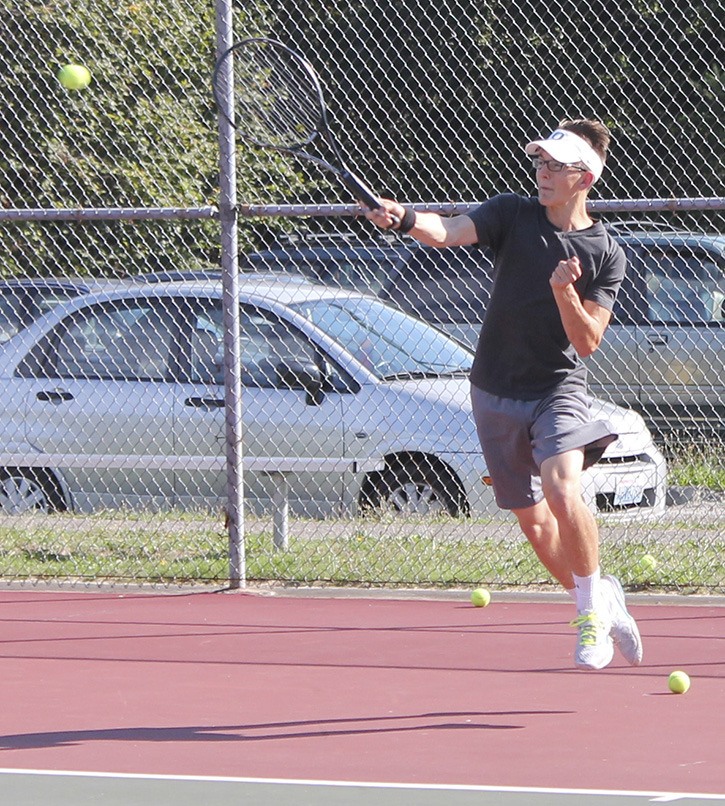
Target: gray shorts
{"x":516,"y":436}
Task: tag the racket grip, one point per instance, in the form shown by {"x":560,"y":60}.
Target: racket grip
{"x":360,"y":190}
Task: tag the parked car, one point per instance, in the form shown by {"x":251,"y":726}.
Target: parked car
{"x":116,"y":399}
{"x":445,"y":287}
{"x":664,"y":351}
{"x":663,"y":354}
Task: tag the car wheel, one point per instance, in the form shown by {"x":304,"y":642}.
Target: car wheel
{"x":411,"y":489}
{"x":25,"y":491}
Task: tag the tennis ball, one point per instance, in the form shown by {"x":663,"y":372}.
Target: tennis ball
{"x":74,"y":76}
{"x":648,"y":562}
{"x":679,"y":682}
{"x":480,"y":597}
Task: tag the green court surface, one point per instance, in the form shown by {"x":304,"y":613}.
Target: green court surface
{"x":34,"y":787}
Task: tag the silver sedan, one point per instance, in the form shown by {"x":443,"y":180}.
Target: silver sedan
{"x":116,"y":399}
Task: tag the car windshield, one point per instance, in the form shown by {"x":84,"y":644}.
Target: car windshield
{"x":389,"y":343}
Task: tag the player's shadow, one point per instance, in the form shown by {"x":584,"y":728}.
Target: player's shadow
{"x":306,"y":729}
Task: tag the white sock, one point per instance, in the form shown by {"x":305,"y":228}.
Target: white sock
{"x":587,"y":592}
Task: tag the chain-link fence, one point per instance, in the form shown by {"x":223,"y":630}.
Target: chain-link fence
{"x":359,"y":467}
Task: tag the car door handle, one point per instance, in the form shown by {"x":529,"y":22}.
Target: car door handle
{"x":55,"y":396}
{"x":657,"y":341}
{"x":204,"y":402}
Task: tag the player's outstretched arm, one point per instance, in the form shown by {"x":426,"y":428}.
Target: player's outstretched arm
{"x":430,"y":229}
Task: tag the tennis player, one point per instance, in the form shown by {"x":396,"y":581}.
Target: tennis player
{"x":557,"y":273}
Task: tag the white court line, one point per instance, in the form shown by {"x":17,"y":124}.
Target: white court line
{"x":655,"y":797}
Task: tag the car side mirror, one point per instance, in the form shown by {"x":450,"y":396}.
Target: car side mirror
{"x":303,"y":376}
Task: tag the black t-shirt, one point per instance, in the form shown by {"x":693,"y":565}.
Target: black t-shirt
{"x":523,"y":351}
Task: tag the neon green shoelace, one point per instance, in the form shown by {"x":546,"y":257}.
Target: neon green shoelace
{"x":587,"y":624}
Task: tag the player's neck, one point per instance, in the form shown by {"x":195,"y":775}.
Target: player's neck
{"x":570,"y":216}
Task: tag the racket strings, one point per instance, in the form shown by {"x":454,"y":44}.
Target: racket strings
{"x":277,"y":99}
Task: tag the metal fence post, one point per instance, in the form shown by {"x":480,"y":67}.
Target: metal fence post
{"x":230,"y":292}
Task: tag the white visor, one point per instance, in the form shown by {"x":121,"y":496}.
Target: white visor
{"x":565,"y":146}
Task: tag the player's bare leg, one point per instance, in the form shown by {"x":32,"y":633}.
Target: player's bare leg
{"x":542,"y":531}
{"x":579,"y":544}
{"x":578,"y":531}
{"x":565,"y":536}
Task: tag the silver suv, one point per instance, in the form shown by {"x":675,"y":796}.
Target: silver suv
{"x":664,"y":353}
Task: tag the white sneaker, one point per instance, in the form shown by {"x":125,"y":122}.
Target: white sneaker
{"x":594,"y":648}
{"x":624,"y":628}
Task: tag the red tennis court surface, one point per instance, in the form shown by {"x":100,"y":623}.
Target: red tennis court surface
{"x":408,"y":691}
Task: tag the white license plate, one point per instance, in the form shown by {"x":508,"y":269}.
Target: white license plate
{"x":627,"y":495}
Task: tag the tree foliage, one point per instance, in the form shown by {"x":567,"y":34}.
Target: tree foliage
{"x":143,"y":134}
{"x":442,"y":96}
{"x":432,"y":101}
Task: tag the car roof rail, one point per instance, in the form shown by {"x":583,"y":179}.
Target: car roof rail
{"x":176,"y":275}
{"x":634,"y":225}
{"x":296,"y":239}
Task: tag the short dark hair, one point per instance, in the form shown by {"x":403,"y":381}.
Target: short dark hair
{"x":593,"y":131}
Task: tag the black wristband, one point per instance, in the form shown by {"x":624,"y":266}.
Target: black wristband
{"x":407,"y":222}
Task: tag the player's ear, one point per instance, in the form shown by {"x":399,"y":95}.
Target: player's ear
{"x":587,"y":180}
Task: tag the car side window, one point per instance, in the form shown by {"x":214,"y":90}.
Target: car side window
{"x":682,"y":287}
{"x":10,"y":319}
{"x":630,"y":307}
{"x":48,"y":299}
{"x":717,"y":284}
{"x":123,"y":340}
{"x":269,"y":347}
{"x":274,"y":352}
{"x":443,"y":286}
{"x":207,"y":344}
{"x":359,"y":268}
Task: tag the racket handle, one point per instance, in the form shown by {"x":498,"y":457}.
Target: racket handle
{"x":359,"y":190}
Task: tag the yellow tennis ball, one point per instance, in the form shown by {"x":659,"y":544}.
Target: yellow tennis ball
{"x":679,"y":682}
{"x":480,"y":597}
{"x":648,"y":562}
{"x":74,"y":76}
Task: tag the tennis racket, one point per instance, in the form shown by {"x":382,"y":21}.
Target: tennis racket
{"x":279,"y":104}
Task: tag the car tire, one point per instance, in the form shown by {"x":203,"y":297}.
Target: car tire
{"x":412,"y":488}
{"x":23,"y":491}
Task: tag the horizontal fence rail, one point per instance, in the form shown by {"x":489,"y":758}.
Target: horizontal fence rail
{"x":111,"y":214}
{"x":461,"y":208}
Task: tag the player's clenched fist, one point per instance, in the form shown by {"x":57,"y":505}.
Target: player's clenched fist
{"x":566,"y":273}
